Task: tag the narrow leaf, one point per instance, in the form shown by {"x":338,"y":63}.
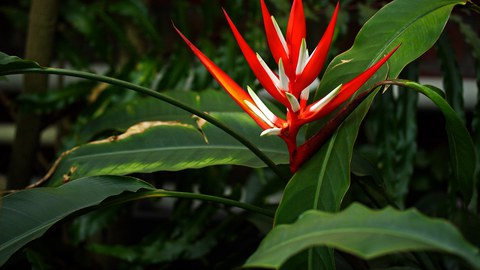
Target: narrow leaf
{"x":392,"y":125}
{"x":452,"y":79}
{"x":460,"y":143}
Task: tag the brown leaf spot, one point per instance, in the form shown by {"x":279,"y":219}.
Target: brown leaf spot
{"x":137,"y":129}
{"x":66,"y":177}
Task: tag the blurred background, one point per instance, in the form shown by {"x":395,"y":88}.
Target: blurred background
{"x":403,"y":136}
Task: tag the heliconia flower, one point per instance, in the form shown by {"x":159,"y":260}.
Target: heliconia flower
{"x":289,"y":84}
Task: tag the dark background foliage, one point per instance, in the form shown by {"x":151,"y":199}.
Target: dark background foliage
{"x":402,"y":139}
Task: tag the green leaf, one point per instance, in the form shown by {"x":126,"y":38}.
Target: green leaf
{"x":28,"y":214}
{"x":396,"y":23}
{"x":86,"y":75}
{"x":145,"y":109}
{"x":392,"y":125}
{"x":460,"y":143}
{"x":172,"y":146}
{"x":326,"y":175}
{"x":365,"y":233}
{"x":8,"y":62}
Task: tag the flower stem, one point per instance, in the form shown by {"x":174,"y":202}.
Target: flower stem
{"x":311,"y":146}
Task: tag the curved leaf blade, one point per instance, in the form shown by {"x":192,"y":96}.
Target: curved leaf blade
{"x":452,"y":78}
{"x":396,"y":23}
{"x":28,"y":214}
{"x":120,"y":118}
{"x":171,"y":146}
{"x":8,"y":62}
{"x":365,"y":233}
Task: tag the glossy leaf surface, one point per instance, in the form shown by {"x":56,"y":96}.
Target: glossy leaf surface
{"x":120,"y":118}
{"x":363,"y":232}
{"x":171,"y":146}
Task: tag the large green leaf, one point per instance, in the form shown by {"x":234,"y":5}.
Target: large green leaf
{"x":140,"y":110}
{"x":365,"y":233}
{"x":172,"y":146}
{"x":324,"y":180}
{"x":28,"y":214}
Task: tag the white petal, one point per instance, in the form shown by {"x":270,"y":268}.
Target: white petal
{"x":324,"y":101}
{"x":293,"y":102}
{"x":283,"y":79}
{"x":271,"y":131}
{"x":280,"y":35}
{"x":302,"y":57}
{"x":261,"y":106}
{"x":309,"y":57}
{"x":270,"y":73}
{"x":305,"y":94}
{"x":259,"y":113}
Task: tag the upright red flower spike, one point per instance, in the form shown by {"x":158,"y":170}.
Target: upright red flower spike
{"x":289,"y":84}
{"x":296,"y":32}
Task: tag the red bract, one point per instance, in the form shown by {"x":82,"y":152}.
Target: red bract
{"x":297,"y":69}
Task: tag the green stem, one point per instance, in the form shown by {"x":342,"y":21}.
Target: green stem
{"x":157,"y":95}
{"x":159,"y":193}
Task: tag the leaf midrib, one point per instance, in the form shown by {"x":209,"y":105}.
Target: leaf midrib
{"x":166,"y":149}
{"x":389,"y":42}
{"x":355,"y":231}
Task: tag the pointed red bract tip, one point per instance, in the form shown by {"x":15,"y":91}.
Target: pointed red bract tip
{"x":351,"y":87}
{"x":227,"y":83}
{"x":296,"y":31}
{"x":275,"y":44}
{"x":317,"y":60}
{"x":254,"y":63}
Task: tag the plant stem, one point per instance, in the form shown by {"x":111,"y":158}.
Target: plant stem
{"x":157,"y":95}
{"x":159,"y":193}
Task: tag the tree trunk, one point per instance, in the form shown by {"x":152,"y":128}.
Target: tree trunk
{"x":41,"y":28}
